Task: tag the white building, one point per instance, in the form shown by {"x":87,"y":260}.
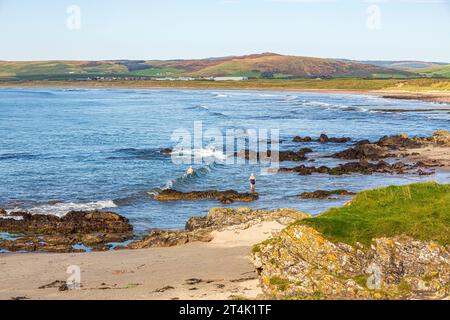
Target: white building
{"x":230,"y":78}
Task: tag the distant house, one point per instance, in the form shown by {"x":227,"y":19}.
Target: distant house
{"x":230,"y":78}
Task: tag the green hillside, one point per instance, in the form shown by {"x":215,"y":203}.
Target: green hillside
{"x":267,"y":65}
{"x":440,"y":71}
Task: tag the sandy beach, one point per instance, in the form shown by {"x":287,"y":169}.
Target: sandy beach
{"x":431,"y":153}
{"x":423,"y":95}
{"x":220,"y":269}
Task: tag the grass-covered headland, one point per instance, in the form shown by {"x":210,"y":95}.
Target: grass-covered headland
{"x":421,"y":211}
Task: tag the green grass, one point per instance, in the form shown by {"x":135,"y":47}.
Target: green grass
{"x":421,"y":211}
{"x":156,"y":72}
{"x":354,"y":84}
{"x":442,"y":71}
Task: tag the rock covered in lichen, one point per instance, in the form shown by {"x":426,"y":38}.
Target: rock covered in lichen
{"x":301,"y":263}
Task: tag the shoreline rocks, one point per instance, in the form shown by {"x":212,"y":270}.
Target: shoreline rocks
{"x":301,"y":263}
{"x":283,"y":156}
{"x":322,"y":139}
{"x":323,"y":194}
{"x":225,"y":197}
{"x":364,"y":150}
{"x":199,"y":229}
{"x":47,"y":233}
{"x":366,"y":168}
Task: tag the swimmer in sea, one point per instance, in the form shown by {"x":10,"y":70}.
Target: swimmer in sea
{"x":190,"y":171}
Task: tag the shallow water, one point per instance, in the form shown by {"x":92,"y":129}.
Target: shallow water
{"x":68,"y":149}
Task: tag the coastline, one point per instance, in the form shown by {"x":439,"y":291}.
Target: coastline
{"x":437,"y":96}
{"x":220,"y":269}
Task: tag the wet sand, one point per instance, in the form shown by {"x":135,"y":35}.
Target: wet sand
{"x":430,"y":153}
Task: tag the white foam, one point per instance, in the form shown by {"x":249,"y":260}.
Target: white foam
{"x":8,"y":217}
{"x":61,"y":209}
{"x":317,"y":104}
{"x":201,"y":153}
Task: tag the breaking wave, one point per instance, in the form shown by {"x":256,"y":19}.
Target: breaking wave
{"x":62,"y":208}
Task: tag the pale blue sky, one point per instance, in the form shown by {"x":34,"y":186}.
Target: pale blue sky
{"x":166,"y":29}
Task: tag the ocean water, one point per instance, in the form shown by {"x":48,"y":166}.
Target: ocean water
{"x":79,"y":149}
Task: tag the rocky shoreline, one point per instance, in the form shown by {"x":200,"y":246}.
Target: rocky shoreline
{"x":47,"y":233}
{"x":300,"y":263}
{"x":225,"y":197}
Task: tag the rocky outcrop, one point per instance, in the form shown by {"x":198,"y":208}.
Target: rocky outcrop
{"x":400,"y":141}
{"x":301,"y":263}
{"x":225,"y":197}
{"x":322,"y":139}
{"x":290,"y":155}
{"x":439,"y":138}
{"x":218,"y":219}
{"x":366,"y":168}
{"x":365,"y":151}
{"x":54,"y":234}
{"x":323,"y":194}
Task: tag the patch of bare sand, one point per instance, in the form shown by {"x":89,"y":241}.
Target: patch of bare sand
{"x":432,"y":96}
{"x":217,"y":270}
{"x":431,"y":153}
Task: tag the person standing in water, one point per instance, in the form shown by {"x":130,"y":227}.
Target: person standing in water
{"x":252,"y":183}
{"x":190,"y":171}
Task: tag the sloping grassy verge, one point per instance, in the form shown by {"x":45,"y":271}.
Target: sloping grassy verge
{"x":421,"y":211}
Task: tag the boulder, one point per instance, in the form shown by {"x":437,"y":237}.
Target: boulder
{"x":267,"y":156}
{"x":322,"y":194}
{"x":222,"y":196}
{"x":301,"y":263}
{"x":363,"y":151}
{"x":322,"y":139}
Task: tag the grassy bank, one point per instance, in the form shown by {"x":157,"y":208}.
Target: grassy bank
{"x":421,"y":211}
{"x":350,"y":84}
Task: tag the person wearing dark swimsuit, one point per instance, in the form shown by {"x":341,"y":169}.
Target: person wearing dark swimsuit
{"x":252,"y":183}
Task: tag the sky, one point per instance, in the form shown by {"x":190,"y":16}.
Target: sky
{"x":174,"y":29}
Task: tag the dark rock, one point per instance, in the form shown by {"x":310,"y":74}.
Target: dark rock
{"x":166,"y":151}
{"x":267,"y":156}
{"x":2,"y":212}
{"x":72,"y":223}
{"x":60,"y":285}
{"x":47,"y":233}
{"x":223,"y":196}
{"x":322,"y":139}
{"x":363,"y":151}
{"x":164,"y":289}
{"x":322,"y":194}
{"x":19,"y":298}
{"x":362,"y":142}
{"x":300,"y":139}
{"x":361,"y":167}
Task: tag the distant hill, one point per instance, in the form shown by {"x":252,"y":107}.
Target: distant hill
{"x":405,"y":65}
{"x":266,"y":65}
{"x":436,"y":71}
